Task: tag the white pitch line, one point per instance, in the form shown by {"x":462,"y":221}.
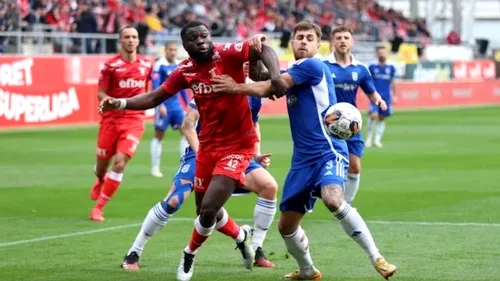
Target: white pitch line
{"x":113,"y":228}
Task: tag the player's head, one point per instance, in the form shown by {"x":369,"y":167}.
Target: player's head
{"x":306,"y":37}
{"x":381,"y":53}
{"x":129,"y":39}
{"x":197,"y":41}
{"x":342,"y":40}
{"x":171,"y":51}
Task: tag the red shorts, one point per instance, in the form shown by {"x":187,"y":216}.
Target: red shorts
{"x":230,"y":163}
{"x":116,"y":137}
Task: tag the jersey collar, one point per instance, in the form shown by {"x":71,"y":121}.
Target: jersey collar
{"x":334,"y":60}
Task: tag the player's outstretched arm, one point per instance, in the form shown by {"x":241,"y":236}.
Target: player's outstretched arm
{"x":226,"y":84}
{"x":145,"y":101}
{"x":188,"y":128}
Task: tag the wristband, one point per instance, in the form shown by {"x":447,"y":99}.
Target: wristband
{"x":123,"y":104}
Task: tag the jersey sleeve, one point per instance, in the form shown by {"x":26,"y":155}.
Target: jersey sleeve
{"x":307,"y":71}
{"x":366,"y":82}
{"x":175,"y":82}
{"x":256,"y":104}
{"x":105,"y":77}
{"x":237,"y":53}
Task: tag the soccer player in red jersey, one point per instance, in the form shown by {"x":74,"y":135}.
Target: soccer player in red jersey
{"x":227,"y":136}
{"x":123,"y":76}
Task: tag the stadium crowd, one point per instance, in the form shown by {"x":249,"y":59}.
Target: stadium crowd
{"x":232,"y":18}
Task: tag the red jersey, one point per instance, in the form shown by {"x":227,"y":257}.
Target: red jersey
{"x":226,"y":118}
{"x":124,"y":79}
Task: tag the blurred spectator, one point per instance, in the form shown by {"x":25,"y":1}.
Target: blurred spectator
{"x":453,"y":38}
{"x":225,"y":17}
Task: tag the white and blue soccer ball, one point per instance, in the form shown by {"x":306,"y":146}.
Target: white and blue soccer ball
{"x":343,"y":120}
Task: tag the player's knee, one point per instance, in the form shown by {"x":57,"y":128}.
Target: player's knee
{"x":120,"y":163}
{"x":381,"y":118}
{"x":354,"y":167}
{"x":285,"y":227}
{"x":332,"y":197}
{"x":269,"y":190}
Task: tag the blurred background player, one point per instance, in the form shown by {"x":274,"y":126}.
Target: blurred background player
{"x":227,"y":136}
{"x":125,"y":75}
{"x":258,"y":180}
{"x":383,"y":73}
{"x":349,"y":75}
{"x":170,"y":112}
{"x":319,"y":161}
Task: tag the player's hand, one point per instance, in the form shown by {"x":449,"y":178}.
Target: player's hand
{"x":263,"y":159}
{"x":223,"y":83}
{"x":256,"y":41}
{"x":108,"y":104}
{"x":162,"y":110}
{"x":381,"y":103}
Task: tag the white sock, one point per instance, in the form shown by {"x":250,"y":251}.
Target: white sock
{"x":183,"y":145}
{"x":351,"y":187}
{"x":370,"y":125}
{"x":154,"y":221}
{"x":297,"y":245}
{"x":379,"y":130}
{"x":356,"y":228}
{"x":263,"y":216}
{"x":156,"y":147}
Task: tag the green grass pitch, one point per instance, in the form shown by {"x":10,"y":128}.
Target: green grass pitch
{"x":431,"y":198}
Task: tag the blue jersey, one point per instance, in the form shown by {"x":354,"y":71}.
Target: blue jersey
{"x":161,"y":70}
{"x":383,"y":74}
{"x":349,"y":79}
{"x":307,"y":102}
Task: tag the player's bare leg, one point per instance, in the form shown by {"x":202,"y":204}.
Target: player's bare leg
{"x":156,"y":149}
{"x":156,"y":219}
{"x":209,"y":205}
{"x":353,"y":178}
{"x":260,"y":182}
{"x":111,"y":184}
{"x":355,"y":227}
{"x":372,"y":120}
{"x":379,"y":131}
{"x":297,"y":245}
{"x":100,"y":169}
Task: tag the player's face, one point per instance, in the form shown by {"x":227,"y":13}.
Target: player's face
{"x":342,"y":42}
{"x":129,"y":40}
{"x":382,"y":54}
{"x":305,"y":44}
{"x":171,"y":52}
{"x":198,"y":44}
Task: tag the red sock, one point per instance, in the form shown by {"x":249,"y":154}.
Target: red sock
{"x":230,"y":228}
{"x":109,"y":189}
{"x":198,"y":238}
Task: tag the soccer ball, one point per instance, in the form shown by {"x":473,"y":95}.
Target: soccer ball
{"x":343,"y":120}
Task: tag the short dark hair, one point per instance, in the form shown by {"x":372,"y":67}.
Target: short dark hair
{"x":306,"y":25}
{"x":123,"y":28}
{"x":190,"y":24}
{"x":170,"y":43}
{"x":341,"y":28}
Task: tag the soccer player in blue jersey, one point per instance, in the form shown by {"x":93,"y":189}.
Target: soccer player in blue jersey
{"x":319,"y":161}
{"x":383,"y":73}
{"x":170,"y":112}
{"x":349,"y":75}
{"x":258,"y":180}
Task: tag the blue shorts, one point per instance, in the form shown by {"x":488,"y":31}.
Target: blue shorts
{"x":356,"y":145}
{"x":187,"y":170}
{"x":376,"y":109}
{"x":303,"y":186}
{"x":173,"y":119}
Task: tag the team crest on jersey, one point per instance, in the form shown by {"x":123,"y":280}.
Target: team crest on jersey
{"x":355,"y":76}
{"x":238,"y":47}
{"x":142,"y":70}
{"x":226,"y":46}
